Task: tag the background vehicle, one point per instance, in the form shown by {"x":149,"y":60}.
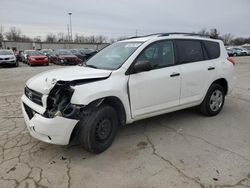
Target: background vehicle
{"x":7,"y":57}
{"x":248,"y":49}
{"x":127,"y":81}
{"x":46,"y":52}
{"x":88,"y":52}
{"x":77,"y":53}
{"x":244,"y":51}
{"x":230,"y":52}
{"x":34,"y":57}
{"x":64,"y":57}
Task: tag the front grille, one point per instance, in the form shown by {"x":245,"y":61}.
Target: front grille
{"x":34,"y":96}
{"x":5,"y":58}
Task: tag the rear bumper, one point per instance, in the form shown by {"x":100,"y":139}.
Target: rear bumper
{"x":51,"y":130}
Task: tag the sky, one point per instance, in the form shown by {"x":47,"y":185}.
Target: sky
{"x":117,"y":18}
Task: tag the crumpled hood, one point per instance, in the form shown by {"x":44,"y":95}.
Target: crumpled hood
{"x":45,"y":81}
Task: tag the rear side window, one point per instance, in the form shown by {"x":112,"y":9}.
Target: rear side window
{"x":189,"y":51}
{"x":212,"y":49}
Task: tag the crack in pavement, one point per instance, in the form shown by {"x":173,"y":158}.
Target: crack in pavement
{"x":68,"y":172}
{"x":206,"y":141}
{"x":154,"y":152}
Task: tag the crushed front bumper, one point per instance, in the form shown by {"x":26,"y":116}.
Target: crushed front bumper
{"x":51,"y":130}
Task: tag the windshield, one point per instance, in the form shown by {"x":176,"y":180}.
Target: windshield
{"x":113,"y":56}
{"x":64,"y":52}
{"x":33,"y":53}
{"x":6,"y":52}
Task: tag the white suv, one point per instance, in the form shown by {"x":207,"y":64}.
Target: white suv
{"x":127,"y":81}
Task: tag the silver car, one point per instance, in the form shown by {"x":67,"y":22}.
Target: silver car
{"x":7,"y":57}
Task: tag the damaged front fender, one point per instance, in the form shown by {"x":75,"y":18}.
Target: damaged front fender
{"x":58,"y":100}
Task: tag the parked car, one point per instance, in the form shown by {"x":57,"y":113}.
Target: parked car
{"x":237,"y":51}
{"x":248,"y":49}
{"x":77,"y":53}
{"x":88,"y":52}
{"x":24,"y":55}
{"x":231,"y":52}
{"x":34,"y":57}
{"x":244,"y":51}
{"x":127,"y":81}
{"x":7,"y":57}
{"x":64,"y":57}
{"x":46,"y":52}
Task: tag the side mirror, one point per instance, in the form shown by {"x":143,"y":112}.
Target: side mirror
{"x":141,"y":66}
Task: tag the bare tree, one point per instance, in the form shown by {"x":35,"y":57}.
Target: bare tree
{"x":101,"y":39}
{"x":14,"y":34}
{"x":37,"y":39}
{"x":204,"y":32}
{"x":227,"y":38}
{"x":50,"y":37}
{"x":1,"y":33}
{"x":60,"y":37}
{"x":214,"y":33}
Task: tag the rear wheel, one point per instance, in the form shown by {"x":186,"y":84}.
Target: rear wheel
{"x":214,"y":100}
{"x":98,"y":129}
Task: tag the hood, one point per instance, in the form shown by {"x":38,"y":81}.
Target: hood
{"x":45,"y":81}
{"x":38,"y":56}
{"x":67,"y":56}
{"x":7,"y":56}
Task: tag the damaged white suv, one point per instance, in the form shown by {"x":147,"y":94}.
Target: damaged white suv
{"x":125,"y":82}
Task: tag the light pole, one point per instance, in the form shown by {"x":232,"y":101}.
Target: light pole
{"x":70,"y":26}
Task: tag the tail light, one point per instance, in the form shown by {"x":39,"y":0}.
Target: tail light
{"x":230,"y":59}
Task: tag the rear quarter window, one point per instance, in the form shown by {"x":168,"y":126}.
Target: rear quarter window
{"x":212,"y":49}
{"x":189,"y":51}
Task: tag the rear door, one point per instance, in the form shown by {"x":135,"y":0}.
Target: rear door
{"x":197,"y":69}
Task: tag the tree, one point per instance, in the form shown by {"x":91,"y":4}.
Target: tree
{"x":14,"y":34}
{"x":204,"y":32}
{"x":227,"y":38}
{"x":50,"y":37}
{"x":214,"y":33}
{"x":1,"y":33}
{"x":60,"y":37}
{"x":37,"y":39}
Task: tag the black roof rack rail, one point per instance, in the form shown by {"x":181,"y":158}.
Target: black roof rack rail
{"x":172,"y":33}
{"x":134,"y":37}
{"x":181,"y":33}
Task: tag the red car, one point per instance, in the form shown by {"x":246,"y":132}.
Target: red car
{"x":36,"y":58}
{"x":64,"y":57}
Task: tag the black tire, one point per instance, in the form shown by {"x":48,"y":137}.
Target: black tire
{"x":98,"y":129}
{"x":211,"y":106}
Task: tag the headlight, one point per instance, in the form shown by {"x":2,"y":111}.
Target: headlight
{"x":12,"y":57}
{"x":33,"y":59}
{"x":45,"y":58}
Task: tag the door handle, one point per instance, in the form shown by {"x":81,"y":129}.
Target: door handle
{"x":175,"y":74}
{"x":210,"y":68}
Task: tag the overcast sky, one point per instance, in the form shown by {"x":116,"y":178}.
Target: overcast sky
{"x":115,"y":18}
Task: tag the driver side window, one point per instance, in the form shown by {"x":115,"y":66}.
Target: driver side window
{"x":159,"y":54}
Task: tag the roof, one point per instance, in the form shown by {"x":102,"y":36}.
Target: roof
{"x":167,"y":35}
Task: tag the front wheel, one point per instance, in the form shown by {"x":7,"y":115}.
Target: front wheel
{"x":214,"y":100}
{"x":98,"y":129}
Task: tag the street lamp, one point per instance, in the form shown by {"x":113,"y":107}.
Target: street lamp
{"x":70,"y":26}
